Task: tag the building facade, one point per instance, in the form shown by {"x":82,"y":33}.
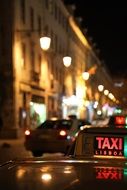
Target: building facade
{"x":34,"y":84}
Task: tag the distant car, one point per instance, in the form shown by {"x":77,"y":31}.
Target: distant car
{"x":52,"y":136}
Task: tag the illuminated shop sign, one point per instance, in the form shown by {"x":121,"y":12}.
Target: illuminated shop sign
{"x":109,"y":146}
{"x":109,"y":173}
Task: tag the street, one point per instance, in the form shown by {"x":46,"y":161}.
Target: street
{"x":14,"y":148}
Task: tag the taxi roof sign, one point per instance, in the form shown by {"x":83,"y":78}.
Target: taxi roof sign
{"x":118,"y":120}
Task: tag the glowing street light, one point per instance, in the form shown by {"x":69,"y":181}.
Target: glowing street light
{"x":85,"y":75}
{"x":106,"y":92}
{"x":100,"y":87}
{"x":111,"y":96}
{"x":67,"y":61}
{"x":45,"y":43}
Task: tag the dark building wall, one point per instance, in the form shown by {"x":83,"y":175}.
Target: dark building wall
{"x":6,"y":63}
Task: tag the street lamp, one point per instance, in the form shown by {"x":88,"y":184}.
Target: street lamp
{"x":85,"y":75}
{"x":67,"y":61}
{"x":106,"y":92}
{"x":100,"y":87}
{"x":45,"y":43}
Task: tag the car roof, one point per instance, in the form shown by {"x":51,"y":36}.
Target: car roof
{"x":64,"y":174}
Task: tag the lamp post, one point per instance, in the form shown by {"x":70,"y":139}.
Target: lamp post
{"x":100,"y":88}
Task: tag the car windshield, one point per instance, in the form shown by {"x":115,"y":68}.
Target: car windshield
{"x":56,"y":124}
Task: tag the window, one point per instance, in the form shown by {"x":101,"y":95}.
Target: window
{"x":24,"y":99}
{"x":59,"y":15}
{"x":52,"y":36}
{"x":56,"y":43}
{"x":46,"y":4}
{"x":57,"y":124}
{"x":23,"y":61}
{"x":23,"y":15}
{"x":31,"y":18}
{"x":39,"y":25}
{"x":39,"y":63}
{"x":50,"y":6}
{"x":56,"y":11}
{"x":32,"y":57}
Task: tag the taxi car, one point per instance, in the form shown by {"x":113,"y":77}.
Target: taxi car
{"x":101,"y":143}
{"x":55,"y":135}
{"x":107,"y":144}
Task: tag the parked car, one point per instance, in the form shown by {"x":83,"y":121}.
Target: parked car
{"x":52,"y":136}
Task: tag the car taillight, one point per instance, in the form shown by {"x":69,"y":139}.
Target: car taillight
{"x":27,"y":132}
{"x":63,"y":133}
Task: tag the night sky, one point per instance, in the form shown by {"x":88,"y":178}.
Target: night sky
{"x":106,"y":24}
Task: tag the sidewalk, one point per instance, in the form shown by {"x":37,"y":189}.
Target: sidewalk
{"x":12,"y":141}
{"x":13,"y":148}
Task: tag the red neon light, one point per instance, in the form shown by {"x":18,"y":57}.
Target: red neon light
{"x":109,"y":146}
{"x":109,"y":143}
{"x":120,"y":120}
